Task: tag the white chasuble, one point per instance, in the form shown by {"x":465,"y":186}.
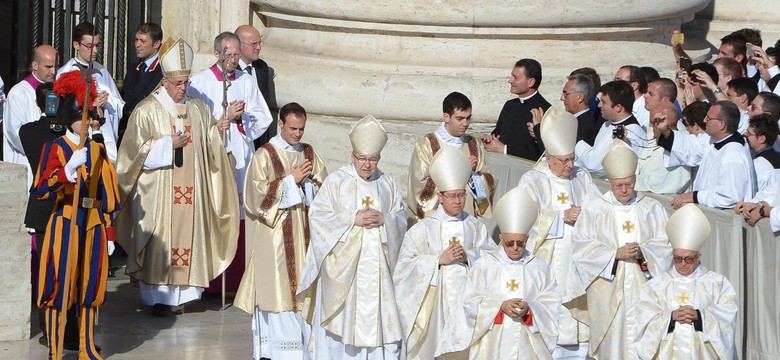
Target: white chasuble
{"x":346,"y":286}
{"x":613,"y":285}
{"x":427,"y":293}
{"x":703,"y":290}
{"x":487,"y":332}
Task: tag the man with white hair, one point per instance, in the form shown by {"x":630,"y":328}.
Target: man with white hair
{"x":619,"y":243}
{"x":559,"y":188}
{"x":689,"y":312}
{"x":509,"y":307}
{"x":439,"y":250}
{"x":357,"y":222}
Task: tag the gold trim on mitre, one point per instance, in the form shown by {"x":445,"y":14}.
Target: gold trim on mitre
{"x":176,"y":58}
{"x":516,"y":212}
{"x":559,"y":131}
{"x":368,"y":136}
{"x":450,"y":169}
{"x":620,"y":161}
{"x":688,"y":228}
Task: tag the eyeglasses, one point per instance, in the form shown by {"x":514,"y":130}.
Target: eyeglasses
{"x":687,"y":260}
{"x":513,"y":243}
{"x":621,"y":186}
{"x":91,"y":46}
{"x":568,"y":161}
{"x":253,"y":44}
{"x":453,"y":196}
{"x":708,"y":118}
{"x":364,"y":160}
{"x":565,"y":94}
{"x":179,"y":83}
{"x":749,"y":134}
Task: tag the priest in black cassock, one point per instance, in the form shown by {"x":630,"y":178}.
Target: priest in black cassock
{"x":511,"y":134}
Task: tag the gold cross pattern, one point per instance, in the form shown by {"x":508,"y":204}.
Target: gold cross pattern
{"x":512,"y":285}
{"x":454,"y":241}
{"x":628,"y":227}
{"x":563,"y":198}
{"x":367,"y":201}
{"x":683,"y":298}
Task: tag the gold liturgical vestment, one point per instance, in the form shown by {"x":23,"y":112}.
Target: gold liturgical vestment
{"x":276,"y":238}
{"x":147,"y":227}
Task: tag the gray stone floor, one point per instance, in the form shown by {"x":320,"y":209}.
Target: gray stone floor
{"x":127,"y":330}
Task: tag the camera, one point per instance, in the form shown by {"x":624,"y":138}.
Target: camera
{"x":619,"y":132}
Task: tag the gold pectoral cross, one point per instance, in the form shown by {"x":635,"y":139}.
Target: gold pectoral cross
{"x":683,"y":298}
{"x":628,"y":227}
{"x":512,"y":285}
{"x":367,"y":201}
{"x":454,"y":241}
{"x":563,"y":198}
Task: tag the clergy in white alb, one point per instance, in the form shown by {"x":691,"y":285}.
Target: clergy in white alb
{"x":86,"y":47}
{"x":179,"y":217}
{"x":559,"y":188}
{"x":282,"y":180}
{"x":20,"y":107}
{"x":619,"y":243}
{"x":435,"y":258}
{"x":509,"y":307}
{"x":421,"y":197}
{"x":357,"y":221}
{"x":689,"y":312}
{"x":726,"y":175}
{"x":252,"y":116}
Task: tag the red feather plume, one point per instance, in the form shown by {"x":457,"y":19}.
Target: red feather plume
{"x":74,"y":83}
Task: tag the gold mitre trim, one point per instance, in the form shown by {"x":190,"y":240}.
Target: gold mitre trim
{"x":176,"y":58}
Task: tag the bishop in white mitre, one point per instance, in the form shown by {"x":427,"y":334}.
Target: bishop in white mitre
{"x":559,"y":188}
{"x":689,"y":312}
{"x":435,"y":258}
{"x":619,"y":242}
{"x":509,"y":307}
{"x":357,"y":221}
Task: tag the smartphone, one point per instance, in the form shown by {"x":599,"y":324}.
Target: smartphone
{"x":678,"y":38}
{"x":685,"y":63}
{"x":750,"y":51}
{"x":51,"y":103}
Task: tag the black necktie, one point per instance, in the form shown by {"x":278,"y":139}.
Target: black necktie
{"x":248,"y":69}
{"x":142,"y":67}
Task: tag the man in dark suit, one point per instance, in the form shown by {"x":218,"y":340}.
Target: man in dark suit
{"x":250,"y":62}
{"x":577,"y":95}
{"x":142,"y":78}
{"x":511,"y":134}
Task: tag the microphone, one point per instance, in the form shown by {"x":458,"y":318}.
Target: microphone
{"x":178,"y":157}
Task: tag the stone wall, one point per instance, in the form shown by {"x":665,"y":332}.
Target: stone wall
{"x":15,"y":286}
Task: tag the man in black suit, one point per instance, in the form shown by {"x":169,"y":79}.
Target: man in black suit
{"x":511,"y":134}
{"x":577,"y":95}
{"x":142,"y":78}
{"x":250,"y":62}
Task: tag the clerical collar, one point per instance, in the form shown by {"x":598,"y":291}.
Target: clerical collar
{"x":218,"y":73}
{"x":441,"y":133}
{"x":443,"y":216}
{"x":503,"y":257}
{"x":33,"y":81}
{"x":524,"y":99}
{"x":621,"y":122}
{"x":734,"y":137}
{"x":279,"y":142}
{"x":581,"y":112}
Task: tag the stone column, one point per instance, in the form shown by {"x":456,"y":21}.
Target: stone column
{"x":15,"y":286}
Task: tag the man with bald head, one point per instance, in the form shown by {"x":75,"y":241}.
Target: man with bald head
{"x":251,"y":63}
{"x":20,"y":108}
{"x":653,"y":175}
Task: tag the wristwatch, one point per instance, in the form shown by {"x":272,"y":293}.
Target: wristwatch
{"x":761,"y":209}
{"x":717,"y":90}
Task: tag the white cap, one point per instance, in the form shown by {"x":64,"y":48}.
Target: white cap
{"x":368,"y":136}
{"x":688,"y":228}
{"x":176,"y":58}
{"x":450,"y":169}
{"x":620,"y":161}
{"x":559,"y":131}
{"x":516,"y":212}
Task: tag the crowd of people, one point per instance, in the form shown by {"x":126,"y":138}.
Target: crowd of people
{"x":187,"y":170}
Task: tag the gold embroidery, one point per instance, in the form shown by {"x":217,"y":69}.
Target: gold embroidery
{"x":454,"y":241}
{"x":563,"y":198}
{"x":367,"y":201}
{"x":628,"y":227}
{"x":512,"y":285}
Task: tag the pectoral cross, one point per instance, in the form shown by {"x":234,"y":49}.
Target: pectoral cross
{"x":367,"y":201}
{"x":454,"y":241}
{"x":628,"y":227}
{"x":512,"y":285}
{"x":563,"y":198}
{"x":683,"y":298}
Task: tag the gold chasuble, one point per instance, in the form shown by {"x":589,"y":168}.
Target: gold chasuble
{"x":179,"y":225}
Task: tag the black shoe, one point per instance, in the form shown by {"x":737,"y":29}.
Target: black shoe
{"x":74,"y":346}
{"x":161,"y":310}
{"x":43,"y":341}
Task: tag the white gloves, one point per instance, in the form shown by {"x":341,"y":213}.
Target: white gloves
{"x":78,"y":158}
{"x":111,"y":247}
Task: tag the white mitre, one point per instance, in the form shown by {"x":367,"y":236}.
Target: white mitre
{"x":559,"y":131}
{"x":620,"y":161}
{"x":176,"y":58}
{"x":688,"y":228}
{"x":450,"y":169}
{"x":368,"y":136}
{"x":516,"y":212}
